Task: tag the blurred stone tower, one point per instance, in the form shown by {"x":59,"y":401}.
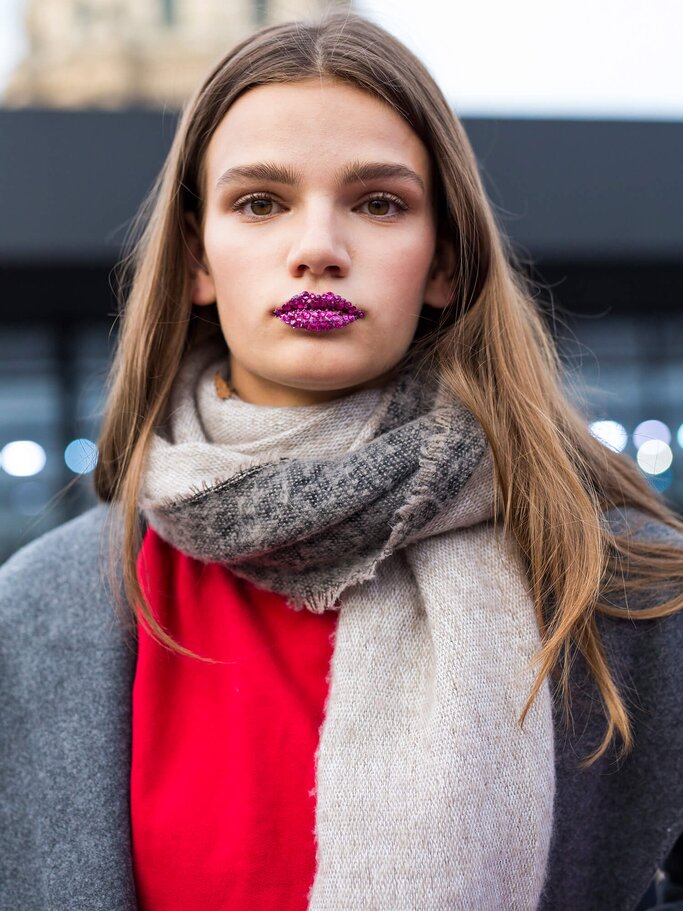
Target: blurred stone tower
{"x":134,"y":53}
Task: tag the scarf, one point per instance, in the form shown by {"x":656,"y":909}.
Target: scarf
{"x":378,"y":505}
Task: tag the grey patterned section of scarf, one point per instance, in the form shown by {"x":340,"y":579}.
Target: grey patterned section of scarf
{"x":305,"y":526}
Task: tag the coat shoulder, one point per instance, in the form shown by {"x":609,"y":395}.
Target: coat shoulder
{"x":639,"y":526}
{"x":62,"y":573}
{"x":642,"y":526}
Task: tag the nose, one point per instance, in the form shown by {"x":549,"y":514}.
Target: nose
{"x":319,"y":246}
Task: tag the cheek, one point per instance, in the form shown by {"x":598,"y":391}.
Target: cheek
{"x":407,"y":266}
{"x":229,"y":253}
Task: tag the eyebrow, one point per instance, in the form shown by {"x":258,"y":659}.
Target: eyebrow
{"x":356,"y":172}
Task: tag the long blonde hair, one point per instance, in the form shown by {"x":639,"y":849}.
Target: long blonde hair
{"x":553,"y":479}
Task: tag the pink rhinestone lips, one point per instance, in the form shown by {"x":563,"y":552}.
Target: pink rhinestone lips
{"x":318,"y":312}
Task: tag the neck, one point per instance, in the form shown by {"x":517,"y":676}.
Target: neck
{"x":260,"y":391}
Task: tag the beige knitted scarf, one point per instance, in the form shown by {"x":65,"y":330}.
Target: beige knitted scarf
{"x":429,"y":795}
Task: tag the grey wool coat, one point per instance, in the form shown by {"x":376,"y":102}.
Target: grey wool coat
{"x":67,"y":672}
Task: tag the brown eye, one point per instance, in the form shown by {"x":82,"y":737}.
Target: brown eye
{"x":256,"y":206}
{"x":378,"y":206}
{"x":384,"y":206}
{"x":261,"y":206}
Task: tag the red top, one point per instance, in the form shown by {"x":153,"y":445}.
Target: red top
{"x":222,"y":803}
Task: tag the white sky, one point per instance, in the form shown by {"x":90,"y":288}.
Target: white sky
{"x":546,"y":58}
{"x":584,"y":58}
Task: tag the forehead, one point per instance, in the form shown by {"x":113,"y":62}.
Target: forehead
{"x":315,"y":124}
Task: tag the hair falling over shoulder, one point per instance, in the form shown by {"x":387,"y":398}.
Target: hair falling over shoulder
{"x":554,"y":480}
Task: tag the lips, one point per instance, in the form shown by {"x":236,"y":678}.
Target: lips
{"x":318,"y":312}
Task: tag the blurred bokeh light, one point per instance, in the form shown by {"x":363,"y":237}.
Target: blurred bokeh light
{"x":611,"y":433}
{"x":81,"y":456}
{"x":654,"y":456}
{"x":22,"y":458}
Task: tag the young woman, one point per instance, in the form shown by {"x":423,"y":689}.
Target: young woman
{"x":407,"y":635}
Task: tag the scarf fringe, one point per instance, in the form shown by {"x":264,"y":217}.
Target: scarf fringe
{"x":320,"y":601}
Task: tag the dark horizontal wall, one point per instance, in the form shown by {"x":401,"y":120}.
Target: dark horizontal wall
{"x":70,"y":182}
{"x":589,"y":191}
{"x":586,"y":190}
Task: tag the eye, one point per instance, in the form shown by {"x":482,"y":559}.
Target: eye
{"x":380,"y":205}
{"x":259,"y":204}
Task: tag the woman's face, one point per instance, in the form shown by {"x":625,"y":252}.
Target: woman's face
{"x":315,"y":187}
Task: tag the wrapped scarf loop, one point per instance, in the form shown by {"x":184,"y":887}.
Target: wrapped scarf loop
{"x":429,"y":794}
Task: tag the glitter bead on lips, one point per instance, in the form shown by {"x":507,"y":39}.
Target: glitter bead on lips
{"x":318,"y":312}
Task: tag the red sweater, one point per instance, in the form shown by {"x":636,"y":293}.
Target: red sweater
{"x":222,"y":781}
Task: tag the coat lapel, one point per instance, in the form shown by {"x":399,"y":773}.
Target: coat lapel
{"x":616,"y":822}
{"x":72,"y":674}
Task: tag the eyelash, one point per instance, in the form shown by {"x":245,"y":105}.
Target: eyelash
{"x":253,"y":197}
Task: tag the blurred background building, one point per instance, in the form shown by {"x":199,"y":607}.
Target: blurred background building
{"x":123,"y":53}
{"x":591,"y":197}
